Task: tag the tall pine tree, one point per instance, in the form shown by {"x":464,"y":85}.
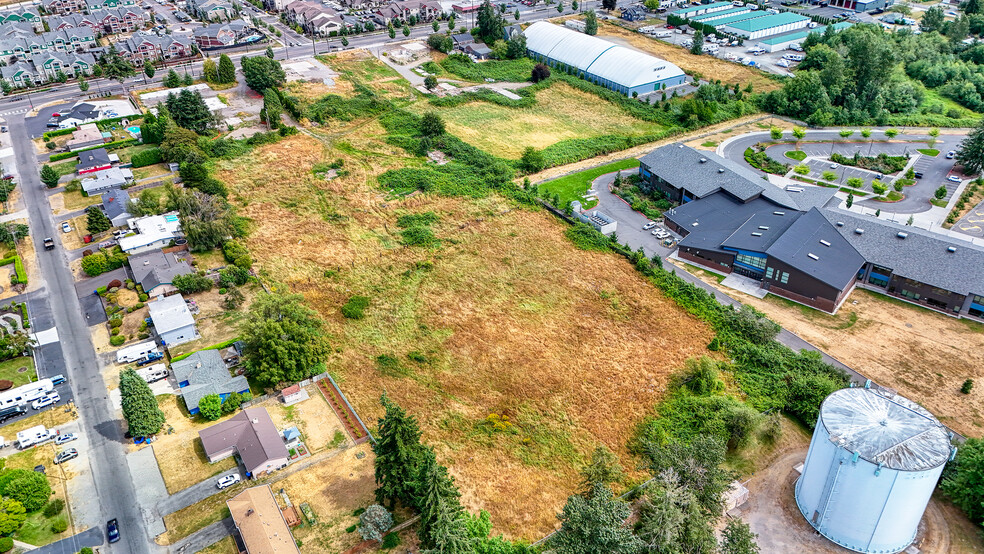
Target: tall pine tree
{"x":436,"y":493}
{"x":970,"y":153}
{"x":227,"y":71}
{"x":595,"y":524}
{"x":143,"y":416}
{"x":450,"y":531}
{"x":398,"y":452}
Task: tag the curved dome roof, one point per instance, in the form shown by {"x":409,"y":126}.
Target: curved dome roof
{"x":625,"y":66}
{"x":885,"y":429}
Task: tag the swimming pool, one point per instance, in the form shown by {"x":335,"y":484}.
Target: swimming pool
{"x":134,"y":130}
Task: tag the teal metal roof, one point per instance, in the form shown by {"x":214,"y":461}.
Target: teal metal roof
{"x":737,"y":18}
{"x":722,"y":13}
{"x":803,"y":34}
{"x":768,"y":22}
{"x":694,"y":9}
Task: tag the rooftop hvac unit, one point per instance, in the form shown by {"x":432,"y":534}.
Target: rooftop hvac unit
{"x":951,"y":248}
{"x":778,"y":213}
{"x":825,"y":242}
{"x":902,"y":234}
{"x":703,"y":160}
{"x":764,"y":227}
{"x":756,"y":234}
{"x":873,"y":463}
{"x":813,"y":256}
{"x":859,"y":231}
{"x":840,"y":223}
{"x":720,"y":170}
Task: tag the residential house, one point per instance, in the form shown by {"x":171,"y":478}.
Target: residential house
{"x":155,"y":270}
{"x":74,"y":39}
{"x":119,"y":20}
{"x":252,"y":435}
{"x":20,"y":74}
{"x":154,"y":231}
{"x":362,"y":4}
{"x":114,"y":177}
{"x":222,"y":35}
{"x":106,"y":4}
{"x":204,"y":373}
{"x":79,"y":115}
{"x":91,"y":161}
{"x":62,"y":7}
{"x":172,"y":320}
{"x":634,"y":13}
{"x":461,"y":40}
{"x":478,"y":51}
{"x":211,"y":10}
{"x":114,"y":206}
{"x":74,"y":21}
{"x":85,"y":136}
{"x":314,"y":18}
{"x":260,"y":522}
{"x":21,"y":48}
{"x":138,"y":49}
{"x":423,"y":10}
{"x":17,"y":29}
{"x":22,"y":15}
{"x":69,"y":63}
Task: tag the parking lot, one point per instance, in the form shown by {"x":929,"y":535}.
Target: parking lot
{"x":767,"y":61}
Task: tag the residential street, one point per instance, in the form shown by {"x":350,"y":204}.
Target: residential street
{"x":112,"y":484}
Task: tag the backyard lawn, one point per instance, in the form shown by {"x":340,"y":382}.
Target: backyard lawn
{"x":20,"y":370}
{"x":66,"y":167}
{"x":151,"y":171}
{"x":572,"y":187}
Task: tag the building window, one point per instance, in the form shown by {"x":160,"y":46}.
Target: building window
{"x":768,"y":273}
{"x":784,"y":278}
{"x":753,"y":261}
{"x":909,"y":294}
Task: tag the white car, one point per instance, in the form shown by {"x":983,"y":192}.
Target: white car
{"x":950,"y":155}
{"x":45,"y":401}
{"x":228,"y":481}
{"x":953,"y":179}
{"x":66,"y":228}
{"x":649,"y":226}
{"x":834,"y":166}
{"x":65,"y":438}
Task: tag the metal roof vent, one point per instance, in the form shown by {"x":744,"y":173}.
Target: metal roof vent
{"x":720,"y":170}
{"x":813,"y":256}
{"x":951,"y":248}
{"x":703,"y":160}
{"x":756,"y":234}
{"x":902,"y":234}
{"x":840,"y":223}
{"x":764,"y":227}
{"x":778,"y":213}
{"x":825,"y":242}
{"x":859,"y":231}
{"x":794,"y":189}
{"x":694,"y":224}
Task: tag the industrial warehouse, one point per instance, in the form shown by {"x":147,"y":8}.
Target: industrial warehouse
{"x":799,"y":247}
{"x":621,"y":69}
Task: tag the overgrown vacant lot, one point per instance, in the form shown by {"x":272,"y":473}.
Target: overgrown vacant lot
{"x":560,"y":113}
{"x":708,"y":66}
{"x":502,"y":315}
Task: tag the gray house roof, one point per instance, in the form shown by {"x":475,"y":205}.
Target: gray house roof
{"x":704,"y":173}
{"x":813,"y":246}
{"x":921,"y":255}
{"x":170,"y":313}
{"x":253,"y":435}
{"x":206,"y":374}
{"x":114,"y":203}
{"x":155,"y":268}
{"x":760,"y":230}
{"x":715,"y":219}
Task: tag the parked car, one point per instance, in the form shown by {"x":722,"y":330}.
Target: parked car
{"x":834,"y":166}
{"x":228,"y":480}
{"x":649,"y":226}
{"x":65,"y":438}
{"x":46,"y":401}
{"x":950,"y":155}
{"x":66,"y":455}
{"x":113,"y":530}
{"x":918,"y":174}
{"x":953,"y":179}
{"x":66,"y":228}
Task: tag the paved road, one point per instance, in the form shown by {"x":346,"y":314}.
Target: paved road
{"x":191,"y":495}
{"x":205,"y":537}
{"x":935,"y":170}
{"x":90,"y":537}
{"x":112,"y":484}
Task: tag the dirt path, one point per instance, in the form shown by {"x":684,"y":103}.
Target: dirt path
{"x":771,"y":512}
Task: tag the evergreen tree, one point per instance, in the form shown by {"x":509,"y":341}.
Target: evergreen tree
{"x":188,"y":80}
{"x":149,"y":69}
{"x":595,"y":524}
{"x":398,"y":451}
{"x":188,"y":110}
{"x":210,"y":71}
{"x":932,"y":20}
{"x":49,"y":176}
{"x":738,"y":538}
{"x":83,"y":84}
{"x":450,"y":530}
{"x":436,"y":495}
{"x":273,"y":107}
{"x":970,"y":153}
{"x":490,"y":24}
{"x":143,"y":416}
{"x":96,"y":220}
{"x":227,"y":71}
{"x":603,"y":468}
{"x":973,"y":7}
{"x":172,"y":80}
{"x":269,"y":52}
{"x":591,"y":23}
{"x":697,"y":48}
{"x":113,"y":66}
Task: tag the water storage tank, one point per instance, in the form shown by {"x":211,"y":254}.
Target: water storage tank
{"x":873,"y":463}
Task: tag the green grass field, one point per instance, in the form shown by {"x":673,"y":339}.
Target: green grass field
{"x":572,"y":187}
{"x":561,"y":113}
{"x":929,"y":152}
{"x":797,"y":155}
{"x":9,"y":370}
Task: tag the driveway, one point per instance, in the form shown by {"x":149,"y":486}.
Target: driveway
{"x":91,"y":537}
{"x":192,"y":495}
{"x":36,"y":126}
{"x":206,"y":537}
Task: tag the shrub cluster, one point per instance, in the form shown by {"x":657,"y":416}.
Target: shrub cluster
{"x":101,"y":261}
{"x":355,"y":307}
{"x":146,"y":157}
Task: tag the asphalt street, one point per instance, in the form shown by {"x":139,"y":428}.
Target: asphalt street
{"x":90,"y":537}
{"x":112,"y":484}
{"x":935,"y":169}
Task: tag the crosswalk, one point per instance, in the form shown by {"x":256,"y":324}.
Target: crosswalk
{"x":15,"y":112}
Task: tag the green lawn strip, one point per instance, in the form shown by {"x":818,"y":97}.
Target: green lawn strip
{"x":219,"y":346}
{"x":8,"y":370}
{"x":797,"y":155}
{"x":938,"y":203}
{"x":928,"y":151}
{"x":65,"y":168}
{"x":572,"y":187}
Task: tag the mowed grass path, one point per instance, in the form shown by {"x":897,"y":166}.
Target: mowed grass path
{"x":572,"y":187}
{"x":560,"y":113}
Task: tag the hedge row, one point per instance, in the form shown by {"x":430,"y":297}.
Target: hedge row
{"x":108,"y":146}
{"x":20,"y":276}
{"x":48,"y":135}
{"x":147,"y":157}
{"x":102,"y":124}
{"x":219,"y":346}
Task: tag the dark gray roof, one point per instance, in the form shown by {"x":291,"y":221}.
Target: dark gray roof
{"x":462,"y":38}
{"x":810,"y":196}
{"x":206,"y":374}
{"x":714,"y":219}
{"x":114,"y":202}
{"x":760,"y":230}
{"x":93,"y":158}
{"x":704,"y":173}
{"x":922,"y":255}
{"x":813,"y":246}
{"x":154,"y":268}
{"x":251,"y":432}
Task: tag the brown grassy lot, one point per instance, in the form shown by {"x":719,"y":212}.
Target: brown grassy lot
{"x":708,"y":66}
{"x":180,"y":454}
{"x":922,"y":354}
{"x":314,"y":418}
{"x":215,"y":323}
{"x":573,"y":346}
{"x":224,"y":546}
{"x":70,"y":201}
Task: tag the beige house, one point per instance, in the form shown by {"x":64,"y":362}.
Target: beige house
{"x":260,"y":522}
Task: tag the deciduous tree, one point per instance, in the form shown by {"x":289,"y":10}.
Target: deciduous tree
{"x":210,"y":71}
{"x":261,"y":73}
{"x":431,"y":124}
{"x":591,"y":23}
{"x":738,"y":538}
{"x":210,"y":407}
{"x":143,"y":416}
{"x":283,"y":340}
{"x":149,"y":69}
{"x":970,"y":153}
{"x":12,"y":515}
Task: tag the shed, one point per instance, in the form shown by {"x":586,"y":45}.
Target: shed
{"x":294,"y":394}
{"x":292,"y":436}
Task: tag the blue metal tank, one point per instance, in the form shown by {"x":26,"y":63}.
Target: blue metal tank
{"x":873,"y":463}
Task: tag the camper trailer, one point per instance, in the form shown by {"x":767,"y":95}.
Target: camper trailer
{"x":153,"y":373}
{"x":136,"y":352}
{"x":34,"y":436}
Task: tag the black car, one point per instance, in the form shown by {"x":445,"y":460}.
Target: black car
{"x":918,"y":175}
{"x":113,"y":530}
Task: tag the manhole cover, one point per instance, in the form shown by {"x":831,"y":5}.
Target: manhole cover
{"x":21,"y":369}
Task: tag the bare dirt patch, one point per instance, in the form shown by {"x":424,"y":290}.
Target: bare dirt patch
{"x":313,"y":417}
{"x":215,"y":323}
{"x":505,"y":317}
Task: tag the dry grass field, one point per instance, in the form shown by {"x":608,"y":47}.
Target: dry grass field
{"x":505,"y":317}
{"x":708,"y":66}
{"x":180,"y":454}
{"x":559,"y":114}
